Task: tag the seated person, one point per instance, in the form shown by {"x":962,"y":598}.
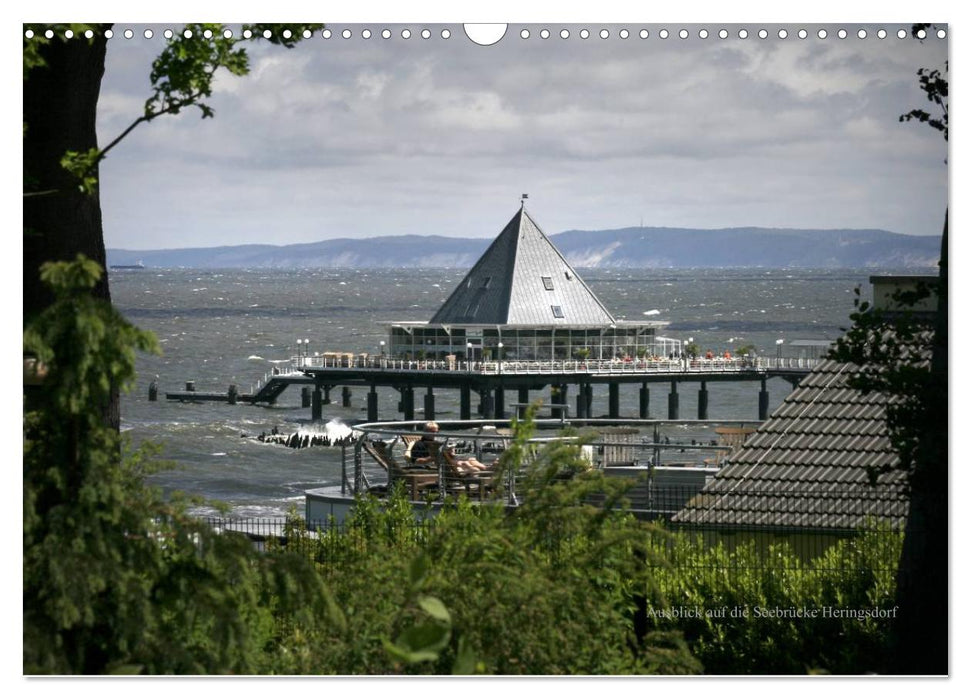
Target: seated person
{"x":466,"y":464}
{"x":423,"y":452}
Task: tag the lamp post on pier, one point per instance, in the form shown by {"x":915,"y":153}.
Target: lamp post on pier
{"x":468,"y":357}
{"x":298,"y":351}
{"x":778,"y":351}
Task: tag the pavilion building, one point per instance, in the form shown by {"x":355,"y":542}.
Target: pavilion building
{"x":522,"y":297}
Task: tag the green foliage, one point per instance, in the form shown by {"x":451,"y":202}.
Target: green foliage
{"x":692,"y":349}
{"x":33,"y":57}
{"x":934,"y":84}
{"x":116,"y":579}
{"x":768,"y":612}
{"x":743,"y":350}
{"x":891,"y":353}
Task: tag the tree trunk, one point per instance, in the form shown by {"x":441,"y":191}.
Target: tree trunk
{"x":60,"y":111}
{"x":921,"y":633}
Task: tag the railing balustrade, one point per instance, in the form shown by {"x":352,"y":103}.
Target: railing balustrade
{"x":518,"y":367}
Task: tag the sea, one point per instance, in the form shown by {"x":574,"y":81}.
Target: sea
{"x":222,"y":327}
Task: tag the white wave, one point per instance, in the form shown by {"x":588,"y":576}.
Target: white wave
{"x":652,"y":312}
{"x":254,"y":357}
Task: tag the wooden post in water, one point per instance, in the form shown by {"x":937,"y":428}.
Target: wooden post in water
{"x":153,"y":391}
{"x":408,"y":403}
{"x":233,"y":394}
{"x":316,"y":404}
{"x":645,"y":403}
{"x":703,"y":402}
{"x":488,"y":404}
{"x":430,"y":403}
{"x":613,"y":400}
{"x":465,"y":402}
{"x":346,"y":397}
{"x":763,"y":401}
{"x":372,"y":404}
{"x":673,"y":408}
{"x":305,"y":397}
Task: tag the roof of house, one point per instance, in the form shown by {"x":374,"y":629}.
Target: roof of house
{"x":809,"y":465}
{"x":522,"y":279}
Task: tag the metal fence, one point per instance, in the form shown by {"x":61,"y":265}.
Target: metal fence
{"x":873,"y":544}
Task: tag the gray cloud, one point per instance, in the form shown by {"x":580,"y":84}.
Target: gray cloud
{"x":372,"y":137}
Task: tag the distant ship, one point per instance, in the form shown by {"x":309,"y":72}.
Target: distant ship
{"x":136,"y":266}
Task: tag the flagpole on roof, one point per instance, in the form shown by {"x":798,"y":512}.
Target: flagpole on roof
{"x":522,"y":201}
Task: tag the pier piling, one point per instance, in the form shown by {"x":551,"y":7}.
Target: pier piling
{"x":613,"y":400}
{"x":316,"y":404}
{"x":232,"y":394}
{"x":488,"y":405}
{"x":703,"y":402}
{"x":673,"y":408}
{"x":305,"y":397}
{"x":523,"y":400}
{"x":763,"y":402}
{"x":372,"y":404}
{"x":465,"y":402}
{"x":408,"y":403}
{"x":153,"y":391}
{"x":430,"y":404}
{"x":645,"y":401}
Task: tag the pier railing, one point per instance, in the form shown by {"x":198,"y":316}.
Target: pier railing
{"x":526,"y":367}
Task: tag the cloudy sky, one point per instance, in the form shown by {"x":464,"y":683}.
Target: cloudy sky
{"x":365,"y":137}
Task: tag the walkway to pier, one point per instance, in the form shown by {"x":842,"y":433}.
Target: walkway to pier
{"x":490,"y":380}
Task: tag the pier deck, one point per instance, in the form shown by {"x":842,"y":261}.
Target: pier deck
{"x":491,"y":379}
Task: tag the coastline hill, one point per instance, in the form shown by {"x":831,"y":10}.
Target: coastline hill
{"x":636,"y":247}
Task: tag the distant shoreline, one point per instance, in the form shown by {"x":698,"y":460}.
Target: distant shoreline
{"x":634,"y":248}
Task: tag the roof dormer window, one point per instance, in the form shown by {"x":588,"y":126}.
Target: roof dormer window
{"x":548,"y":283}
{"x":557,"y":311}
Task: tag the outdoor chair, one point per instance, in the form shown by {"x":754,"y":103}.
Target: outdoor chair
{"x":472,"y":482}
{"x":417,"y":479}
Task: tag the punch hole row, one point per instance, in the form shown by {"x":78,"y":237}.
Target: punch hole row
{"x":524,"y":34}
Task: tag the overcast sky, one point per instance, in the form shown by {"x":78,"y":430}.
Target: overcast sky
{"x":365,"y":137}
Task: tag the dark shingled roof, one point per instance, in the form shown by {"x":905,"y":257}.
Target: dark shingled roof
{"x":807,"y":466}
{"x":522,"y":279}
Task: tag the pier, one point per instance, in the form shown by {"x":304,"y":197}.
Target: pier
{"x":501,"y":386}
{"x":520,"y":325}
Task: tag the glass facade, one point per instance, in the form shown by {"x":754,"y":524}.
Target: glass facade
{"x":621,"y":341}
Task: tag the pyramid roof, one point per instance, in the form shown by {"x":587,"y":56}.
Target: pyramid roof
{"x":522,"y":279}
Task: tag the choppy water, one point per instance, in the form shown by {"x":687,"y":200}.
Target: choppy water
{"x":229,"y":326}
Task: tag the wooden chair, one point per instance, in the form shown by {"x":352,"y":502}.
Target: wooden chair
{"x":417,"y":479}
{"x":457,"y":475}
